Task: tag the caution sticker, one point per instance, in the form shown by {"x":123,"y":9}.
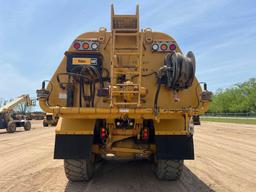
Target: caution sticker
{"x":81,"y":61}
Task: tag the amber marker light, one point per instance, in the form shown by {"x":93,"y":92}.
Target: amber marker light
{"x":85,"y":46}
{"x":163,"y":47}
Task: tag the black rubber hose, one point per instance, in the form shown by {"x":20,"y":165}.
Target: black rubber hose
{"x":83,"y":91}
{"x":91,"y":70}
{"x":145,"y":75}
{"x":84,"y":79}
{"x":71,"y":75}
{"x":80,"y":92}
{"x":98,"y":75}
{"x":93,"y":94}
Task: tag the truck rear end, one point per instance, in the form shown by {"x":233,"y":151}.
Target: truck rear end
{"x":124,"y":94}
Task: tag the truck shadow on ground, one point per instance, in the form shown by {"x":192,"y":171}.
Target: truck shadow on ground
{"x":135,"y":176}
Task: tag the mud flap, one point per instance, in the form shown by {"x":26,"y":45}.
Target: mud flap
{"x":72,"y":146}
{"x":174,"y":147}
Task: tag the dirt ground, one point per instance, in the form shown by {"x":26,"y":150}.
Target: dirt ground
{"x":225,"y":161}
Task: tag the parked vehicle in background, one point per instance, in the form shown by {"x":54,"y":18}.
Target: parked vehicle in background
{"x":9,"y":120}
{"x":50,"y":120}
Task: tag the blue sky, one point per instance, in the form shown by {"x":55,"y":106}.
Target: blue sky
{"x":35,"y":34}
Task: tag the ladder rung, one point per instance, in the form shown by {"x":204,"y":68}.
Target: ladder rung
{"x":123,"y":103}
{"x":127,"y":49}
{"x":125,"y":16}
{"x":127,"y":84}
{"x":125,"y":34}
{"x":124,"y":91}
{"x":126,"y":67}
{"x":127,"y":53}
{"x":126,"y":72}
{"x":126,"y":30}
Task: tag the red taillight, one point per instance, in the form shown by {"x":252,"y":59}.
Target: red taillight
{"x":163,"y":47}
{"x":172,"y":47}
{"x":145,"y":134}
{"x":76,"y":45}
{"x":103,"y":133}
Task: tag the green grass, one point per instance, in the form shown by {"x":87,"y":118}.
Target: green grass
{"x":229,"y":120}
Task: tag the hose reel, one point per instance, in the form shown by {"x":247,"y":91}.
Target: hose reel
{"x":178,"y":71}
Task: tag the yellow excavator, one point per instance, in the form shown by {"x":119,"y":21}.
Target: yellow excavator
{"x":8,"y":119}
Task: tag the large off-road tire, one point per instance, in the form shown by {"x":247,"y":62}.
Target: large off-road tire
{"x":45,"y":124}
{"x":169,"y":169}
{"x":79,"y":170}
{"x":54,"y":124}
{"x":11,"y":128}
{"x":27,"y":126}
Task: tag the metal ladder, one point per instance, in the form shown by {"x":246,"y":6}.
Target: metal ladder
{"x":126,"y":26}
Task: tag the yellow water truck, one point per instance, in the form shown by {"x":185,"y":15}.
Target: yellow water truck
{"x":124,"y":94}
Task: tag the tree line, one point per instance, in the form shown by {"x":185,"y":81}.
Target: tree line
{"x":240,"y":98}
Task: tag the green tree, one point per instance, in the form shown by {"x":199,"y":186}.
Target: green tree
{"x":239,"y":98}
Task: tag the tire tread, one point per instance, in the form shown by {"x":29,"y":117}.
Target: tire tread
{"x":78,"y":170}
{"x":169,"y":169}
